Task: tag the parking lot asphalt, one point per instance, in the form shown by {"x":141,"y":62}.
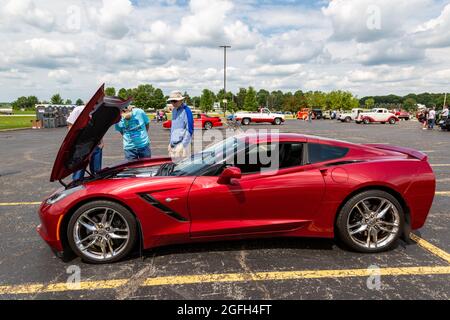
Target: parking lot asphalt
{"x":256,"y":269}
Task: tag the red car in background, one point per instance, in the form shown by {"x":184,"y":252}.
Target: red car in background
{"x":367,"y":195}
{"x":402,"y":115}
{"x":201,"y":120}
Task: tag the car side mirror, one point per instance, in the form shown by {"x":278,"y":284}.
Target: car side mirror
{"x":228,"y":174}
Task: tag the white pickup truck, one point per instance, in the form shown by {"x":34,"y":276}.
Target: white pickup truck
{"x":380,"y":115}
{"x":350,"y":116}
{"x":259,"y":117}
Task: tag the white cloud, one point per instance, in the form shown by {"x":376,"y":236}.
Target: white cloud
{"x":61,"y":76}
{"x":435,"y":32}
{"x":44,"y":53}
{"x":112,"y":18}
{"x":15,"y":12}
{"x":372,"y":20}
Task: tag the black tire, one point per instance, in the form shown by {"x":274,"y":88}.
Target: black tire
{"x":343,"y":216}
{"x":392,"y":121}
{"x":208,"y":125}
{"x":123,"y":212}
{"x":277,"y":121}
{"x":366,"y":121}
{"x":246,"y":121}
{"x":348,"y":119}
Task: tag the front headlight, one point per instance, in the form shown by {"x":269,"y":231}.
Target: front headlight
{"x":61,"y":195}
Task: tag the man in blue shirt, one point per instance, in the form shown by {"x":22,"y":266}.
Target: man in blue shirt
{"x":182,"y":126}
{"x":134,"y":129}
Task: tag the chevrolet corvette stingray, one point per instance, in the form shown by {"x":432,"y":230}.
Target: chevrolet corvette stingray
{"x":365,"y":196}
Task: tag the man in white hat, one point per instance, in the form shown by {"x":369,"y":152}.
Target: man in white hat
{"x":182,"y":126}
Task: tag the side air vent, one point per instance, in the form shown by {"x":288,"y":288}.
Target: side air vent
{"x":155,"y":203}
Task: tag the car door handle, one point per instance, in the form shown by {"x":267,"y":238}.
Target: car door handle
{"x":171,"y":199}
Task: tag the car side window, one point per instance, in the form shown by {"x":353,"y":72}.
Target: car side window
{"x":261,"y":156}
{"x":322,"y":152}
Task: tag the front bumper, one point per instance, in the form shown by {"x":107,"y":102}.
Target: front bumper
{"x":49,"y":229}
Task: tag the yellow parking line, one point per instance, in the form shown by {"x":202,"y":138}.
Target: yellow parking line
{"x":442,"y":193}
{"x":440,"y":164}
{"x":431,"y":248}
{"x":226,"y":277}
{"x":4,"y":204}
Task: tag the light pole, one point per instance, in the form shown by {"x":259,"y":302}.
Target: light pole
{"x":225,"y":77}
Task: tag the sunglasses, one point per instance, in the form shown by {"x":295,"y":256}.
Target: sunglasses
{"x":174,"y":101}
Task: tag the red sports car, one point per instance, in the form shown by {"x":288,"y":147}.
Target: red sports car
{"x":201,"y":120}
{"x":247,"y":186}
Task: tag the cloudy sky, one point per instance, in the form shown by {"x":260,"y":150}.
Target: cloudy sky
{"x":366,"y":46}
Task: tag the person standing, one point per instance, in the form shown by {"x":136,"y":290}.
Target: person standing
{"x":444,"y":114}
{"x":431,"y":118}
{"x":134,"y":127}
{"x":95,"y":162}
{"x":182,"y":127}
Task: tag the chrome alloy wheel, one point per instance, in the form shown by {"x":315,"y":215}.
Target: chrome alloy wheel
{"x":373,"y":222}
{"x":101,"y":233}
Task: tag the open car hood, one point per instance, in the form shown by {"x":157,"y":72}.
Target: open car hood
{"x":94,"y":121}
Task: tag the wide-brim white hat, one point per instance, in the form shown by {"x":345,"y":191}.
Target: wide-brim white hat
{"x":175,"y":96}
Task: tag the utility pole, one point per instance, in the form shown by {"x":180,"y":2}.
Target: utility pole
{"x":225,"y":77}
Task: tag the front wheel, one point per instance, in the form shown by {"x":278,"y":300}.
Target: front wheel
{"x":370,"y":222}
{"x":102,"y":232}
{"x":366,"y":121}
{"x":208,"y":125}
{"x":392,"y":121}
{"x":277,"y":121}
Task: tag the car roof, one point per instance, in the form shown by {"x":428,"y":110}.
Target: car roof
{"x":294,"y":137}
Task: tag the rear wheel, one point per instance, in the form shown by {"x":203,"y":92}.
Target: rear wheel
{"x":246,"y":121}
{"x":102,"y":232}
{"x":348,"y":119}
{"x":366,"y":121}
{"x":277,"y":121}
{"x":392,"y":121}
{"x":371,"y":221}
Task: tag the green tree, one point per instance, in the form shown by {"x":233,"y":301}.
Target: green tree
{"x":409,"y":104}
{"x":68,"y":101}
{"x":250,"y":102}
{"x":79,"y":102}
{"x":316,"y":99}
{"x":110,"y":91}
{"x":301,"y":100}
{"x":123,"y":94}
{"x":56,"y":99}
{"x":290,"y":102}
{"x":187,"y":98}
{"x":277,"y":100}
{"x":369,"y":103}
{"x":145,"y":96}
{"x":195,"y":102}
{"x":26,"y":103}
{"x":263,"y":97}
{"x":240,"y":98}
{"x":158,"y":100}
{"x":206,"y":100}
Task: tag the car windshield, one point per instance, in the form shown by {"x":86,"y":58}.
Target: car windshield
{"x":215,"y":154}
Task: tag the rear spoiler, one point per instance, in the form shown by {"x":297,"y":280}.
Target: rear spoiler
{"x":410,"y":152}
